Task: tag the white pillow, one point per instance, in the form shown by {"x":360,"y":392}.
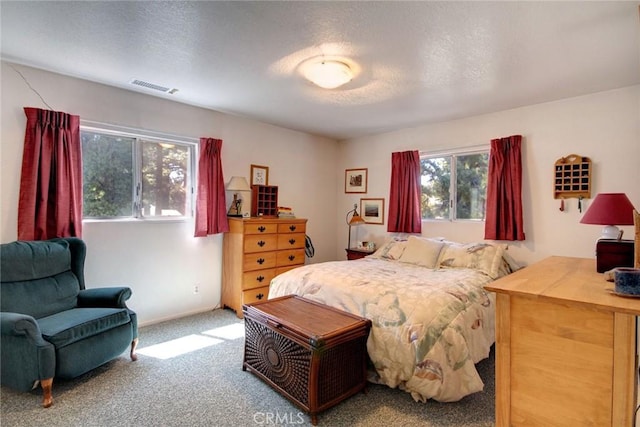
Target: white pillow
{"x":484,"y":257}
{"x":391,"y":249}
{"x":421,"y":251}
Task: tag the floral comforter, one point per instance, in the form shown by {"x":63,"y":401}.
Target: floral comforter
{"x":429,"y":327}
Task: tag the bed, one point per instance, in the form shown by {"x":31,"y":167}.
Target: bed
{"x":432,"y":320}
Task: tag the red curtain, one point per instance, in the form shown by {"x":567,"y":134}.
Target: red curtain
{"x":211,"y":214}
{"x":50,"y":203}
{"x":404,"y":195}
{"x":504,"y":190}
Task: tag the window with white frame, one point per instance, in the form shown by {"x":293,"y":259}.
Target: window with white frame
{"x":136,"y":175}
{"x":454,"y":185}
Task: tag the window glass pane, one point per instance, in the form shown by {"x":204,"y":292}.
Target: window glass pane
{"x":471,"y":185}
{"x":436,"y":177}
{"x":164,"y":179}
{"x":107,"y":162}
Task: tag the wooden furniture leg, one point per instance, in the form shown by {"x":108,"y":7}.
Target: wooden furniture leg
{"x":133,"y":354}
{"x":46,"y":385}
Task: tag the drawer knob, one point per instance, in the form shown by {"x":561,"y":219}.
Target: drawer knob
{"x":260,"y":260}
{"x":261,"y":228}
{"x":260,"y":278}
{"x":260,"y":296}
{"x":261,"y":243}
{"x":292,"y":227}
{"x":292,"y":257}
{"x":292,"y":241}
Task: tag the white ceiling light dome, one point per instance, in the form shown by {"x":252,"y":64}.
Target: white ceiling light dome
{"x":328,"y":73}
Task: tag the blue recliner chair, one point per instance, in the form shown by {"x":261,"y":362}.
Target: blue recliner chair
{"x":52,"y":327}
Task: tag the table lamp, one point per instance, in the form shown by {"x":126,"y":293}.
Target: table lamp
{"x":610,"y":210}
{"x":355,"y":220}
{"x":237,"y":183}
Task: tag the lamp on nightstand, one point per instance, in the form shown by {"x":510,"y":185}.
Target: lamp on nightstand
{"x":610,"y":210}
{"x":355,"y":220}
{"x":237,"y":183}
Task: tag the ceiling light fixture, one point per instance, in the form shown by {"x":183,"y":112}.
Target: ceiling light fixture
{"x":328,"y":74}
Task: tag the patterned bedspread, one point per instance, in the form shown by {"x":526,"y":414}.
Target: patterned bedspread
{"x":429,"y":327}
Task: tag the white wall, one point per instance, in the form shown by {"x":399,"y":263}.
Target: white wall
{"x":162,"y":262}
{"x":603,"y":126}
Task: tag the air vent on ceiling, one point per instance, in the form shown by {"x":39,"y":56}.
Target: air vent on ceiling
{"x":154,"y":86}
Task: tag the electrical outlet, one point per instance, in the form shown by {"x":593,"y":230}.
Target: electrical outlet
{"x":196,"y":289}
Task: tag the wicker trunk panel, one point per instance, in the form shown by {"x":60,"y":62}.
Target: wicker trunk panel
{"x":284,"y":362}
{"x":335,"y":380}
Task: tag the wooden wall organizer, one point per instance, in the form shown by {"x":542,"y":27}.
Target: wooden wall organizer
{"x":264,"y":201}
{"x":572,"y":177}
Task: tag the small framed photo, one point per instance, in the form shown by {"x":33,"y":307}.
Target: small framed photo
{"x":355,"y":181}
{"x":372,"y":210}
{"x":259,"y":175}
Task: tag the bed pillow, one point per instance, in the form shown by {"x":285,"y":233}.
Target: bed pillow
{"x":481,"y":256}
{"x":508,"y":264}
{"x":422,"y":251}
{"x":391,"y":249}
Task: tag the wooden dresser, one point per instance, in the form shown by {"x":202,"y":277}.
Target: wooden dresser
{"x":255,"y":251}
{"x":565,"y":347}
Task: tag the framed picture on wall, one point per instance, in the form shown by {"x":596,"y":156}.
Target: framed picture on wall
{"x":355,"y":181}
{"x":259,"y":175}
{"x":372,"y":210}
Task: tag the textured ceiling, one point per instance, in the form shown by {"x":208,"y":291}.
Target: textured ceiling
{"x":416,"y":62}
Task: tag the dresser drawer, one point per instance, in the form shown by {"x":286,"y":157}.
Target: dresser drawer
{"x":260,"y":228}
{"x":258,"y":278}
{"x":260,"y":243}
{"x":290,"y":257}
{"x":258,"y":261}
{"x":291,"y":241}
{"x":257,"y":294}
{"x":292,"y":227}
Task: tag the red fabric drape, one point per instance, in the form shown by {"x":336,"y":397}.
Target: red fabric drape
{"x":50,"y":203}
{"x":404,"y":195}
{"x":211,"y":214}
{"x":504,"y":190}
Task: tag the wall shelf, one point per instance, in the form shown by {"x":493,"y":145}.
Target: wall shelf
{"x":572,"y":178}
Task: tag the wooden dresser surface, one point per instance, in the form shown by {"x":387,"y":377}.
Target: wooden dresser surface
{"x":565,"y":347}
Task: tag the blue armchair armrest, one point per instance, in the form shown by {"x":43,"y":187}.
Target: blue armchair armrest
{"x":26,"y":356}
{"x":114,"y":297}
{"x":21,"y":325}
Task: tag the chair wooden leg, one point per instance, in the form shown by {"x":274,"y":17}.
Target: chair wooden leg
{"x":47,"y":399}
{"x":133,"y":354}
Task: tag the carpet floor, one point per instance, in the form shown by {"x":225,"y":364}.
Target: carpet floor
{"x":206,"y":386}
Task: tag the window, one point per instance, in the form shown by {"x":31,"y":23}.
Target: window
{"x":136,"y":176}
{"x":454,"y":186}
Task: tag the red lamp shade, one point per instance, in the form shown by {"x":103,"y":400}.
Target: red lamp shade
{"x":609,"y":209}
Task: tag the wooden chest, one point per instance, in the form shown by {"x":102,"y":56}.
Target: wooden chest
{"x":255,"y":250}
{"x":313,"y":354}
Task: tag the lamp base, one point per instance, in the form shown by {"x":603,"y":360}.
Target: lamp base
{"x":235,"y":210}
{"x":611,"y":232}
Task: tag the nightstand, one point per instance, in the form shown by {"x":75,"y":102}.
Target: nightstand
{"x":353,"y":253}
{"x":611,"y":253}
